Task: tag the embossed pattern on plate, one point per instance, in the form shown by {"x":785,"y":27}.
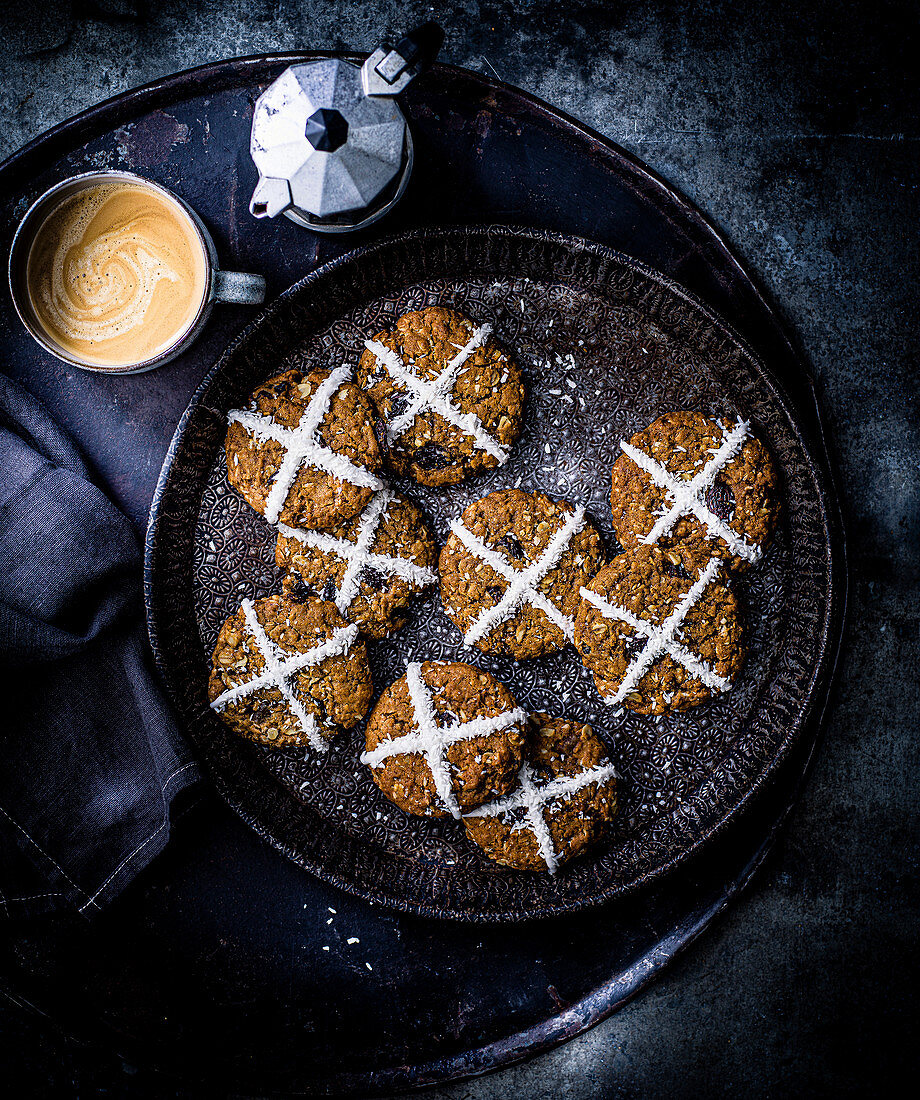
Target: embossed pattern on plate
{"x":605,"y":346}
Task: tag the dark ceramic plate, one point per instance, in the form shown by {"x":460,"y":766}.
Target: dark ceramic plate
{"x":606,"y":345}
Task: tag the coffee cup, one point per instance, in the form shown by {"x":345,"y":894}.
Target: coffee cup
{"x":111,"y":272}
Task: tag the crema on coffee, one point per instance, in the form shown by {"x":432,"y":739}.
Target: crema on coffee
{"x":116,"y":274}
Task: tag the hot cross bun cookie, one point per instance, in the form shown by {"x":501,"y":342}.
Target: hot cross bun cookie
{"x":304,"y":451}
{"x":696,"y":488}
{"x":371,"y":566}
{"x":444,"y":738}
{"x":450,"y":399}
{"x":656,"y":638}
{"x":511,"y":571}
{"x":561,"y":805}
{"x":286,"y":673}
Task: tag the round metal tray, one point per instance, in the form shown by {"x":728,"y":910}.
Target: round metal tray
{"x":606,"y":345}
{"x":211,"y":967}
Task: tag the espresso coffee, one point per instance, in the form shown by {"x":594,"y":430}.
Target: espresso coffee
{"x":116,"y":274}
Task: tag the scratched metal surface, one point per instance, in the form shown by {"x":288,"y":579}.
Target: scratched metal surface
{"x":213,"y":966}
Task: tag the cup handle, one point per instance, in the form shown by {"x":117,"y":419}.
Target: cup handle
{"x":239,"y":288}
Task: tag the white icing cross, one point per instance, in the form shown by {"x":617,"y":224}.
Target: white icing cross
{"x":688,"y":496}
{"x":281,"y":666}
{"x":431,"y":740}
{"x":302,"y":447}
{"x":522,"y":584}
{"x":435,"y":394}
{"x":534,"y":799}
{"x":661,"y":639}
{"x":358,"y":554}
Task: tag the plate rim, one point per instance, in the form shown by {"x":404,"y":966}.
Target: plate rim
{"x":826,"y":657}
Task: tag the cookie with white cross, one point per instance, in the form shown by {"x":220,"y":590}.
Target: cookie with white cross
{"x":444,"y":738}
{"x":450,"y":399}
{"x":561,"y":806}
{"x":285,"y":673}
{"x":697,"y":488}
{"x":304,"y":452}
{"x":656,"y":638}
{"x":371,"y":567}
{"x":511,"y":571}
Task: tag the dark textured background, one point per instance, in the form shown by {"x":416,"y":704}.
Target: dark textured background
{"x":796,"y":130}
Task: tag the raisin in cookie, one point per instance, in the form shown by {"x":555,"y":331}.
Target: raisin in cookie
{"x":698,"y":488}
{"x":450,"y":399}
{"x":370,"y":567}
{"x":655,"y":638}
{"x":286,"y":673}
{"x":444,"y":738}
{"x":304,"y":452}
{"x":565,"y":796}
{"x":511,"y":570}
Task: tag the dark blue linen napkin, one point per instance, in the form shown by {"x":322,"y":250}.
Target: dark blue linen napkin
{"x":92,"y":758}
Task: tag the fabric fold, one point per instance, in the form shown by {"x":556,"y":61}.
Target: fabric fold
{"x":92,"y":756}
